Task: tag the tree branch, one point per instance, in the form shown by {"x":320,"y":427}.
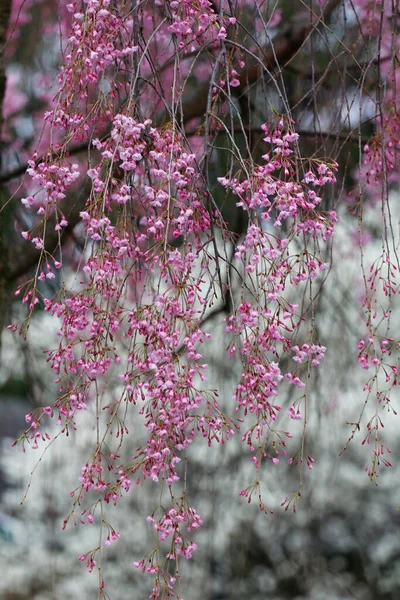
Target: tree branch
{"x":25,"y":256}
{"x":283,"y":49}
{"x":21,"y":169}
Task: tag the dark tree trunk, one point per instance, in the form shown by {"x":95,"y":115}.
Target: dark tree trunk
{"x":5,"y":11}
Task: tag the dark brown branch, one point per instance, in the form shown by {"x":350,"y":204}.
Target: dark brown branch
{"x":21,"y":169}
{"x":345,"y":136}
{"x":285,"y":47}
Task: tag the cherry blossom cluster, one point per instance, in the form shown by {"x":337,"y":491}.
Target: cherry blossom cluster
{"x":99,"y":55}
{"x":315,"y":352}
{"x":170,"y":524}
{"x":281,"y":208}
{"x":174,"y":525}
{"x":93,"y":47}
{"x":172,"y":393}
{"x":170,"y":206}
{"x":93,"y":41}
{"x":130,"y":329}
{"x":190,"y":20}
{"x":196,"y":22}
{"x":130,"y":326}
{"x":135,"y":315}
{"x":275,"y":195}
{"x":52,"y":180}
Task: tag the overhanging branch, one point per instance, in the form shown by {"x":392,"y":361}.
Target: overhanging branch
{"x":25,"y":256}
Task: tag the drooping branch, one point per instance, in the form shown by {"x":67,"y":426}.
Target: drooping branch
{"x":25,"y":256}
